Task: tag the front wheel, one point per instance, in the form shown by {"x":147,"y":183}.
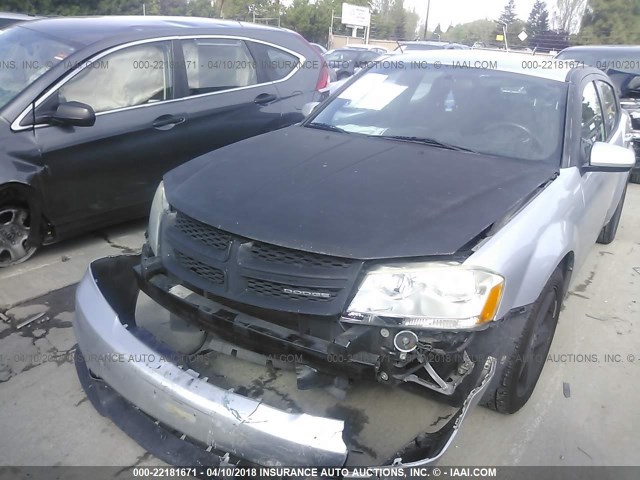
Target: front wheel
{"x":527,"y":359}
{"x":15,"y":224}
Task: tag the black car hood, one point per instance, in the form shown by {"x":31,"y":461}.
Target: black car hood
{"x":350,"y":195}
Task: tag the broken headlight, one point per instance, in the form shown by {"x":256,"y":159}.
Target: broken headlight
{"x":437,"y":295}
{"x":159,"y":209}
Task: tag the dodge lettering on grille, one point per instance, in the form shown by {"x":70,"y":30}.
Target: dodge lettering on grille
{"x":306,"y":293}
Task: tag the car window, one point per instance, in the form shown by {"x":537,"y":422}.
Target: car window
{"x":592,"y":120}
{"x":274,"y":62}
{"x":26,"y":55}
{"x":341,"y":55}
{"x":217,"y":64}
{"x":129,"y":77}
{"x":369,"y":56}
{"x":609,"y":106}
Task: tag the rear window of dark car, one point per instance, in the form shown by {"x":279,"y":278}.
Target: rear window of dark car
{"x":622,"y":66}
{"x":342,"y":55}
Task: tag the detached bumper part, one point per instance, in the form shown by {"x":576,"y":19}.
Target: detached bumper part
{"x":131,"y":369}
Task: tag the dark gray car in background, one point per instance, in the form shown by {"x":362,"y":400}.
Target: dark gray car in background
{"x":93,"y":111}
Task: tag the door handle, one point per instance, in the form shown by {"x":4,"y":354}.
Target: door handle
{"x":167,"y":121}
{"x":265,"y":98}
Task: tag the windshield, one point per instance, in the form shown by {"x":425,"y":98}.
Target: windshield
{"x":486,"y":111}
{"x":622,"y":66}
{"x":25,"y":55}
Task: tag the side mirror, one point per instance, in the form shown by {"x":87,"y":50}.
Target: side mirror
{"x":611,"y":158}
{"x":74,"y":113}
{"x":307,"y":108}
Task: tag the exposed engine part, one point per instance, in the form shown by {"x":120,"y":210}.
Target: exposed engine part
{"x":448,"y":386}
{"x":405,"y":341}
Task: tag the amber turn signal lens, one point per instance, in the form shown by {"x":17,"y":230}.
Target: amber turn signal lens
{"x":491,"y":306}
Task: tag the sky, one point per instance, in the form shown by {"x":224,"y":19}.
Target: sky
{"x":446,"y":12}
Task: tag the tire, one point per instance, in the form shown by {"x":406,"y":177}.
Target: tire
{"x":15,"y":224}
{"x":634,"y":178}
{"x":608,"y":232}
{"x":522,"y":371}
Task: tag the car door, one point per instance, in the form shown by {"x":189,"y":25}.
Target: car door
{"x":226,"y":93}
{"x":112,"y":168}
{"x":601,"y":190}
{"x":283,"y":67}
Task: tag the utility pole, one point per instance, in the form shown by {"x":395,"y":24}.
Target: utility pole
{"x":426,"y":20}
{"x":504,"y":34}
{"x":330,"y":39}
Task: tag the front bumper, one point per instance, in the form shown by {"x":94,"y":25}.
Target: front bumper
{"x":126,"y":359}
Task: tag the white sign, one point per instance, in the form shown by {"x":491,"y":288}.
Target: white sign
{"x":523,"y":36}
{"x":354,"y":15}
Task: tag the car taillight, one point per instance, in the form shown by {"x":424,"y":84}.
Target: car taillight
{"x":323,"y":79}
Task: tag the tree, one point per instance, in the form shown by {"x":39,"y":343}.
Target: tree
{"x":568,"y":14}
{"x":390,"y":19}
{"x":482,"y":31}
{"x":538,"y":23}
{"x":152,"y":7}
{"x":201,"y":8}
{"x":412,"y":20}
{"x":611,"y":22}
{"x":508,"y":15}
{"x":311,"y":20}
{"x":399,"y":20}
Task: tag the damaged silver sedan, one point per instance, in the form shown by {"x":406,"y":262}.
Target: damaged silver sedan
{"x":347,"y":297}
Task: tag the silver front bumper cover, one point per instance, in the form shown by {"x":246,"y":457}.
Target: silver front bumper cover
{"x":226,"y":421}
{"x":209,"y":414}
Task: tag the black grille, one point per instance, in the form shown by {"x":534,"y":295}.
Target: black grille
{"x":212,"y":237}
{"x":208,"y":273}
{"x":279,"y":290}
{"x":271,"y":253}
{"x":255,"y":273}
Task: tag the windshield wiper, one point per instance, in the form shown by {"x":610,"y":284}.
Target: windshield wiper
{"x":428,"y":141}
{"x":326,"y":126}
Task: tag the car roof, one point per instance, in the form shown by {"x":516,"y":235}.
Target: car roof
{"x":522,"y":63}
{"x":363,"y":47}
{"x":423,"y":42}
{"x":17,"y":16}
{"x":434,"y":43}
{"x":87,"y":30}
{"x":350,"y":49}
{"x":584,"y":48}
